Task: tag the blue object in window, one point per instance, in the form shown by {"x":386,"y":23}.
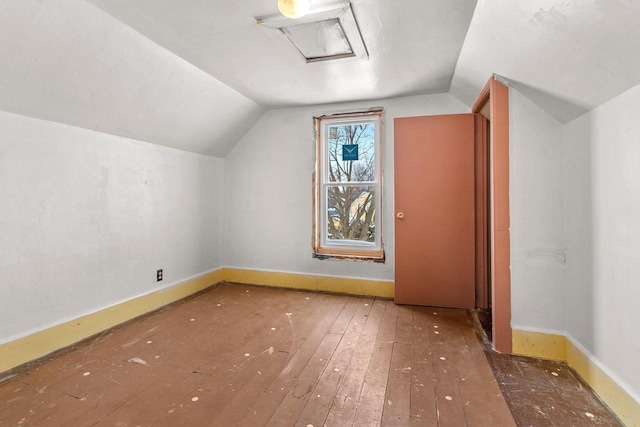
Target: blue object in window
{"x":350,"y":152}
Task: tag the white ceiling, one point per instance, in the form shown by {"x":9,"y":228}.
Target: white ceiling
{"x":568,"y":56}
{"x":66,"y":61}
{"x":413,"y":47}
{"x":197,"y":74}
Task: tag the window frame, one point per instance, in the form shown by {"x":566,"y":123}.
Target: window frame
{"x":323,"y":247}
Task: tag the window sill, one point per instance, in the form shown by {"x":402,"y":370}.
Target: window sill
{"x":353,"y":255}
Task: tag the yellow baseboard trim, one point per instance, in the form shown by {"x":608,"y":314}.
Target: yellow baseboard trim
{"x":41,"y":343}
{"x":620,"y":402}
{"x":559,"y":347}
{"x":375,"y":288}
{"x":538,"y":344}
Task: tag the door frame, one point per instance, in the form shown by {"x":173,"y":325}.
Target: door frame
{"x":496,"y":94}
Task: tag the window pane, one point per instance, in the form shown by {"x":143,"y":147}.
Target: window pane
{"x":351,"y":213}
{"x":351,"y":152}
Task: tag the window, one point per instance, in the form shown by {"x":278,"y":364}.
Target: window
{"x":347,"y":184}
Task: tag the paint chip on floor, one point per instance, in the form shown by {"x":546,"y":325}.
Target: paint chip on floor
{"x":438,"y":333}
{"x":195,"y":399}
{"x":247,"y":355}
{"x":86,"y":374}
{"x":138,"y":361}
{"x":555,"y":374}
{"x":273,"y":329}
{"x":443,"y":358}
{"x":435,"y":326}
{"x":192,"y":320}
{"x":589,"y":414}
{"x":149,"y":342}
{"x":448,"y":397}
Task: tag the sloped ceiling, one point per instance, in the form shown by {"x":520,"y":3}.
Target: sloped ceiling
{"x":197,"y":74}
{"x":413,"y":47}
{"x":568,"y":56}
{"x":69,"y":62}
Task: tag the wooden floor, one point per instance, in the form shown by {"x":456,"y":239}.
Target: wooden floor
{"x":251,"y":356}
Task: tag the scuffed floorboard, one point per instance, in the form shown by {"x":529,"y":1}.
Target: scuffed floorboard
{"x":544,"y":393}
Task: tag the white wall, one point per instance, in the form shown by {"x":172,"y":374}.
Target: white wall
{"x":537,"y":218}
{"x":602,"y":211}
{"x":268,"y":190}
{"x":87,"y":219}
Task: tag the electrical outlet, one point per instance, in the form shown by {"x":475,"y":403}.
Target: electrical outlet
{"x":159,"y":275}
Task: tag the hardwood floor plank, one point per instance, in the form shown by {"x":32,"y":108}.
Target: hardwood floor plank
{"x":404,"y":325}
{"x":213,"y":351}
{"x":317,"y":407}
{"x":397,"y":400}
{"x":343,"y":409}
{"x":304,"y":325}
{"x":238,"y":370}
{"x":485,"y":404}
{"x":446,"y":343}
{"x":293,"y":404}
{"x":267,"y":403}
{"x":343,"y":321}
{"x":423,"y":381}
{"x":371,"y":403}
{"x":153,"y":404}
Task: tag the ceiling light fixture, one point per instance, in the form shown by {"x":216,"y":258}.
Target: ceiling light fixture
{"x":294,"y":8}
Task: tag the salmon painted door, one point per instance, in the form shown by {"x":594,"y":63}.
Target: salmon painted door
{"x":435,"y":210}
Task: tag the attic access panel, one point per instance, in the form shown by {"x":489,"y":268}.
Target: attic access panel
{"x":331,"y":32}
{"x":319,"y":40}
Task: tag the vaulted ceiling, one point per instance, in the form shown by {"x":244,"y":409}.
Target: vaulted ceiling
{"x":568,"y":56}
{"x":197,"y":74}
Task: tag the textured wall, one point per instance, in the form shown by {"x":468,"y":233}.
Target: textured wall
{"x":602,"y":216}
{"x":87,"y":219}
{"x":537,"y":225}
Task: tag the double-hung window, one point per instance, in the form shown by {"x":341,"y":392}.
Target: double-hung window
{"x":348,"y":187}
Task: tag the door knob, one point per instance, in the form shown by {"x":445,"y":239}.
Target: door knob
{"x":400,"y":215}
